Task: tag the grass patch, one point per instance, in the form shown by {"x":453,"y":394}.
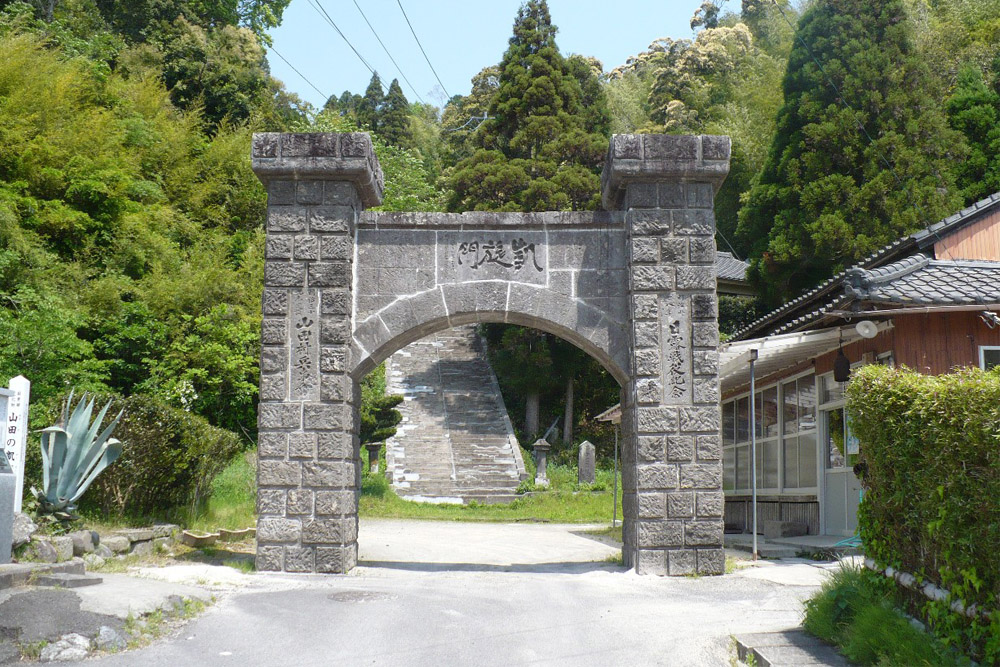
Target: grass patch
{"x":854,"y":611}
{"x":231,"y":504}
{"x":561,"y":503}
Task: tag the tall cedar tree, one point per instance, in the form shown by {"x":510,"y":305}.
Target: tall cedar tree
{"x":546,"y":137}
{"x":394,"y":119}
{"x":826,"y":196}
{"x":974,"y":110}
{"x":369,"y":109}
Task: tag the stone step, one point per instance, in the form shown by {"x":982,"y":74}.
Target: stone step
{"x":788,"y":648}
{"x":454,"y":437}
{"x":67,"y":580}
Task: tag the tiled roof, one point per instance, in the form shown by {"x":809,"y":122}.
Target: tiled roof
{"x":919,"y":280}
{"x":828,"y":295}
{"x":728,"y":267}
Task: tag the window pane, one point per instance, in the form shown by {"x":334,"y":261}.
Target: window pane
{"x":790,"y":447}
{"x":743,"y":467}
{"x":790,"y":409}
{"x":832,"y":390}
{"x":991,"y":358}
{"x":807,"y":460}
{"x":835,"y":441}
{"x":807,"y":402}
{"x":743,"y":419}
{"x":771,"y":465}
{"x":770,"y":406}
{"x":728,"y":423}
{"x":728,"y":469}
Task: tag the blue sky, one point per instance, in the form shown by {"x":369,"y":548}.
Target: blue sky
{"x":460,"y":37}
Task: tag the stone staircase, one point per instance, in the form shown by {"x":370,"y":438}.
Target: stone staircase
{"x":455,"y":443}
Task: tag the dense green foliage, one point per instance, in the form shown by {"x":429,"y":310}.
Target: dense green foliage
{"x":541,"y":147}
{"x":855,"y":612}
{"x":378,"y":414}
{"x":828,"y":196}
{"x":112,"y":206}
{"x":930,"y":464}
{"x":168,"y":463}
{"x":974,"y":110}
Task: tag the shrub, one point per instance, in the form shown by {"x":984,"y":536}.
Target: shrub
{"x":168,"y":461}
{"x":853,"y":611}
{"x":930,"y":466}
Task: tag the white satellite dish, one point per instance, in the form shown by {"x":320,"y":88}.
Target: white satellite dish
{"x":866,"y":329}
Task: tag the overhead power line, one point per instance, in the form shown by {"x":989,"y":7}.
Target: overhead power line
{"x":398,"y":68}
{"x":318,"y":6}
{"x":414,"y":32}
{"x":294,"y":69}
{"x":472,"y":119}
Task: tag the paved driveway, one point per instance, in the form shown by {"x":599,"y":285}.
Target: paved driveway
{"x":440,"y":594}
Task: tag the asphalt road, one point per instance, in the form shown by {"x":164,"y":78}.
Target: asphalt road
{"x":520,"y":601}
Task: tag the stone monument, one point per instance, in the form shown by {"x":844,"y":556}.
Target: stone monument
{"x":586,"y":472}
{"x":541,"y":449}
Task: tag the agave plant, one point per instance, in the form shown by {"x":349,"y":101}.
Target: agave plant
{"x":73,"y":455}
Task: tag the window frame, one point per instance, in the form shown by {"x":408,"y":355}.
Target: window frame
{"x":983,"y":349}
{"x":778,"y":439}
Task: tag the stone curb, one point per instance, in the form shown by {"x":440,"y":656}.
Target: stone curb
{"x":19,"y":574}
{"x":788,"y":648}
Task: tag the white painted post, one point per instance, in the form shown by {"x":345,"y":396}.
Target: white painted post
{"x":753,"y":445}
{"x":15,"y":432}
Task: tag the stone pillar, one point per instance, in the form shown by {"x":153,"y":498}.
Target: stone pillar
{"x":373,"y":451}
{"x":586,"y":472}
{"x":541,"y":449}
{"x":672,"y":468}
{"x":308,"y":452}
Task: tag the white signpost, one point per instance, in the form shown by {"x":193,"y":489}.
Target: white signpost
{"x":14,"y":422}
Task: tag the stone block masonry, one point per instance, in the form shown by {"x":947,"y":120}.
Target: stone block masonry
{"x":672,"y":474}
{"x":308,"y":471}
{"x":634,"y":286}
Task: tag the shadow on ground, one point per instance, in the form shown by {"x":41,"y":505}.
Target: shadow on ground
{"x":533,"y":568}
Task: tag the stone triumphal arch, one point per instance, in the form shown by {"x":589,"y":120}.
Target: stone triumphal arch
{"x":633,"y":285}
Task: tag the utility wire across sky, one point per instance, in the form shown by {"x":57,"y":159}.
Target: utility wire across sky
{"x":318,"y":6}
{"x":398,"y":68}
{"x":414,"y":32}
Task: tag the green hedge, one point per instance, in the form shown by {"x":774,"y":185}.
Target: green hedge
{"x":168,"y":462}
{"x":930,"y":466}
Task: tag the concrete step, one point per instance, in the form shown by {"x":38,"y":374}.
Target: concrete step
{"x":67,"y":580}
{"x":788,"y":648}
{"x":455,"y":436}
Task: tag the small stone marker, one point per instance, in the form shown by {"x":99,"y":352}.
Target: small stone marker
{"x":585,"y":471}
{"x":541,"y":448}
{"x":373,"y":462}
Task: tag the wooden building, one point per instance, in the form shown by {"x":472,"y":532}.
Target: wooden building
{"x":928,"y":301}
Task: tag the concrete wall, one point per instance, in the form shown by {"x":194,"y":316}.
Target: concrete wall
{"x":633,"y":286}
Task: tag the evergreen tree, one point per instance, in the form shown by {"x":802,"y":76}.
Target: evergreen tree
{"x":369,"y":109}
{"x":378,"y":409}
{"x":541,"y":148}
{"x":827,"y":195}
{"x":463,"y":114}
{"x":974,"y":110}
{"x":394,"y":118}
